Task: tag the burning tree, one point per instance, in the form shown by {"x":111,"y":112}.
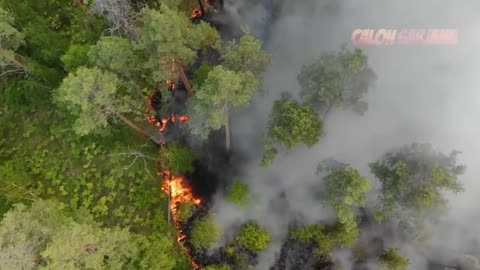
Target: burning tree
{"x":172,"y":45}
{"x":336,"y":80}
{"x":94,"y":96}
{"x":290,"y":124}
{"x":10,"y":40}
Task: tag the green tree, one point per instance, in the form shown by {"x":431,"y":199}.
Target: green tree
{"x":325,"y":238}
{"x":245,"y":54}
{"x":160,"y":252}
{"x":85,"y":246}
{"x":93,"y":96}
{"x":414,"y":179}
{"x":291,"y":124}
{"x":237,"y":193}
{"x":115,"y":54}
{"x":336,"y":79}
{"x":344,"y":190}
{"x":173,"y":45}
{"x":317,"y":235}
{"x":10,"y":40}
{"x":391,"y":259}
{"x":178,"y":158}
{"x":75,"y":57}
{"x":205,"y":233}
{"x":253,"y":237}
{"x":25,"y":232}
{"x":222,"y":90}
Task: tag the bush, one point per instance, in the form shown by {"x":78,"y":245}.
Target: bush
{"x":205,"y":233}
{"x":253,"y":237}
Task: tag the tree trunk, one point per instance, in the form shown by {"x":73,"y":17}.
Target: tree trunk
{"x":169,"y":200}
{"x":202,"y":9}
{"x":227,"y":132}
{"x":15,"y":62}
{"x":184,"y":79}
{"x":131,"y":124}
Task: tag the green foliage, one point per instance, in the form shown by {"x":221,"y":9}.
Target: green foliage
{"x":200,"y":75}
{"x":205,"y":233}
{"x":414,"y":178}
{"x":237,"y":193}
{"x":82,"y":245}
{"x":25,"y":232}
{"x":325,"y":238}
{"x":177,"y":157}
{"x":160,"y":252}
{"x":245,"y":55}
{"x":269,"y":153}
{"x":223,"y":89}
{"x":185,"y":210}
{"x":93,"y":95}
{"x":390,"y":259}
{"x":315,"y":234}
{"x":291,"y":124}
{"x":10,"y":40}
{"x":337,"y":79}
{"x":177,"y":40}
{"x":46,"y":236}
{"x":76,"y":56}
{"x":115,"y":54}
{"x":345,"y":189}
{"x":253,"y":237}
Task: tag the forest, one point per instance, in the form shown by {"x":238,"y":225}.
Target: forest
{"x":116,"y":146}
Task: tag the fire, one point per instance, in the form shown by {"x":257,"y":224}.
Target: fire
{"x":179,"y":192}
{"x":162,"y":125}
{"x":196,"y":13}
{"x":207,"y":6}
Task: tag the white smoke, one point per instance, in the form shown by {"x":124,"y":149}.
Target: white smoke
{"x":423,"y":94}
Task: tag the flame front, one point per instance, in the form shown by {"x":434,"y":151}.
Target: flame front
{"x":177,"y":188}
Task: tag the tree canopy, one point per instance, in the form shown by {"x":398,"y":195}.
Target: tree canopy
{"x":337,"y":79}
{"x":291,"y":124}
{"x":344,"y":190}
{"x":246,"y":54}
{"x":414,"y":178}
{"x":10,"y":40}
{"x":253,"y":237}
{"x":176,"y":42}
{"x":392,"y":260}
{"x":46,"y":236}
{"x":177,"y":157}
{"x":205,"y":233}
{"x":237,"y":193}
{"x":94,"y":95}
{"x":223,"y":89}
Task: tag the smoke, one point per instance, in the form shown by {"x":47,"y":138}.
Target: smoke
{"x":423,"y":94}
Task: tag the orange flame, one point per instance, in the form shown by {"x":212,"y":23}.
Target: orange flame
{"x":198,"y":13}
{"x":162,"y":125}
{"x":180,"y":192}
